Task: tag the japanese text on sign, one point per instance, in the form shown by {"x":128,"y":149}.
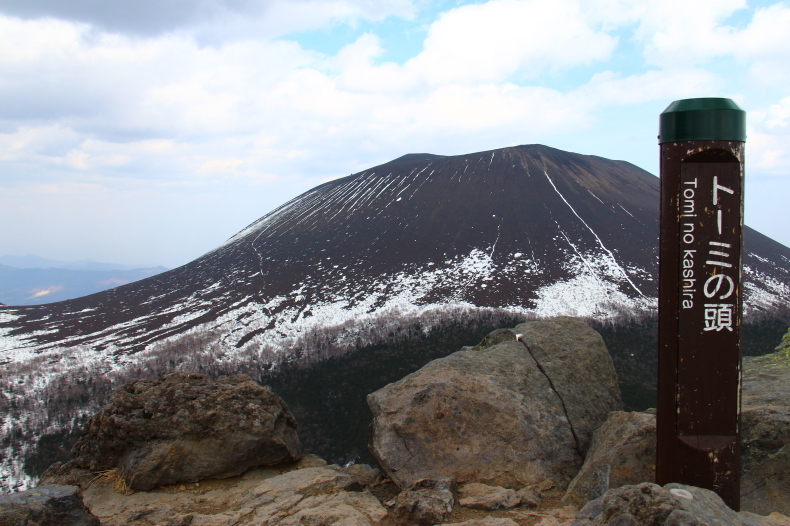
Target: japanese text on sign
{"x":720,"y":259}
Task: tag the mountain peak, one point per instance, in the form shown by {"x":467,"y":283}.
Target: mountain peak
{"x":528,"y":228}
{"x":416,"y":157}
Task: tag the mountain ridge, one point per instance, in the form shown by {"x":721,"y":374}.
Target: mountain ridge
{"x":34,"y":261}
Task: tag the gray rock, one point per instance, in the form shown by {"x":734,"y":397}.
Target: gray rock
{"x":623,"y":452}
{"x":766,"y":487}
{"x":648,"y":504}
{"x":773,"y":519}
{"x":427,"y":501}
{"x":488,"y":521}
{"x":495,"y":337}
{"x":528,"y":498}
{"x":186,"y":427}
{"x":682,"y":518}
{"x":489,"y":498}
{"x":262,"y":496}
{"x":46,"y":506}
{"x":67,"y":474}
{"x":497,"y":415}
{"x":362,"y":474}
{"x":777,"y":518}
{"x":574,"y":357}
{"x":484,"y":416}
{"x":765,"y":418}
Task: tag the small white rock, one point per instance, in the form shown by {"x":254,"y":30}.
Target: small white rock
{"x":682,"y":493}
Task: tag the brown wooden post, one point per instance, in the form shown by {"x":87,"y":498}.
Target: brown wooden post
{"x":700,"y":295}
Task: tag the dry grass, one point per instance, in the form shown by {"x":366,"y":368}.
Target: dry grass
{"x":113,"y":478}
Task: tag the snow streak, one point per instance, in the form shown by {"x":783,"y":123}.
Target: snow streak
{"x":625,"y":274}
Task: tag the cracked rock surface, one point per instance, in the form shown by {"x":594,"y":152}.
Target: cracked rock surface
{"x":623,"y":452}
{"x":574,"y":358}
{"x":513,"y":414}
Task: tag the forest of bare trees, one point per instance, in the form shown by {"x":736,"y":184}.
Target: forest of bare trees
{"x":324,"y":376}
{"x":43,"y":417}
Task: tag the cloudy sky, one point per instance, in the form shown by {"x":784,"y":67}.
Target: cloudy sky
{"x":148,"y":132}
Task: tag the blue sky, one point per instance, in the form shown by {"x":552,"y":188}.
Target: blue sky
{"x":149,"y":132}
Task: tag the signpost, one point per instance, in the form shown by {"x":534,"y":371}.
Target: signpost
{"x":700,"y":295}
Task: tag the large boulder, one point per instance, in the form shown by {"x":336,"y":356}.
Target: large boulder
{"x":623,"y":452}
{"x":765,"y":420}
{"x":513,"y":414}
{"x":186,"y":427}
{"x":46,"y":506}
{"x":647,"y":504}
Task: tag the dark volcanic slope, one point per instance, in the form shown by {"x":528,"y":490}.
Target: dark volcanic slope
{"x":530,"y":227}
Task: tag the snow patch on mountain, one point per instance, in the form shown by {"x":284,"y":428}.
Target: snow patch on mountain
{"x":9,"y":344}
{"x":404,"y":292}
{"x":587,"y":295}
{"x":762,"y":291}
{"x":594,"y":288}
{"x":280,"y":320}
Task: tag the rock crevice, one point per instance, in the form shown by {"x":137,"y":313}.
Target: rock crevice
{"x":499,"y":413}
{"x":559,"y":397}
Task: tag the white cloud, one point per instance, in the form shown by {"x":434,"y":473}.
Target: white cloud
{"x":219,"y":103}
{"x":458,"y":109}
{"x":765,"y":45}
{"x":36,"y":143}
{"x":768,"y":138}
{"x":484,"y":43}
{"x":608,"y":88}
{"x":491,"y":42}
{"x":97,"y":101}
{"x":686,"y":33}
{"x":778,"y":115}
{"x":115,"y":111}
{"x":215,"y":20}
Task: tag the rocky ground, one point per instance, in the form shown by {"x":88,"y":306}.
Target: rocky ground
{"x":306,"y":492}
{"x":524,"y":429}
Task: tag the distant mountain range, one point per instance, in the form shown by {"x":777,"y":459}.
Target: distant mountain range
{"x":33,"y":261}
{"x":33,"y":280}
{"x":529,"y":228}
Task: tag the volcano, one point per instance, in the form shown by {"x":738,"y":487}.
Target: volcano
{"x":529,"y":228}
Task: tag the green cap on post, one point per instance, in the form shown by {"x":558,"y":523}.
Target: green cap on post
{"x":708,"y":119}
